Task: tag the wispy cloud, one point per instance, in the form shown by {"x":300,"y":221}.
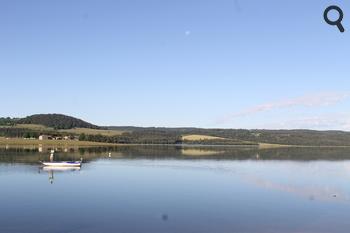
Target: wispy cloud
{"x":315,"y":100}
{"x":324,"y":122}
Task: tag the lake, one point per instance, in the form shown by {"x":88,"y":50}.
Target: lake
{"x":176,"y":189}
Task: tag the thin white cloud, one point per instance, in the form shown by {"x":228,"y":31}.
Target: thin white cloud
{"x":324,"y":122}
{"x":315,"y":100}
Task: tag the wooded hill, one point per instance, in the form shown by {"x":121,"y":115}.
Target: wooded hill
{"x":56,"y":121}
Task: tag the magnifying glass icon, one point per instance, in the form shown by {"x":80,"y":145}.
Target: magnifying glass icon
{"x":336,"y":22}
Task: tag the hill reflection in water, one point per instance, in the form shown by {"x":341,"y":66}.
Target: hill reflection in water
{"x":32,"y":155}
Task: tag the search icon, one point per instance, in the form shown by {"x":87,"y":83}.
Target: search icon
{"x":336,"y":22}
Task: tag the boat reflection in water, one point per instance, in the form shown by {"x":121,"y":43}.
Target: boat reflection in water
{"x":52,"y":170}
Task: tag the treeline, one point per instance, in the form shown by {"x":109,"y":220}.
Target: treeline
{"x":13,"y":132}
{"x":283,"y":137}
{"x":158,"y":136}
{"x":7,"y":121}
{"x":137,"y":137}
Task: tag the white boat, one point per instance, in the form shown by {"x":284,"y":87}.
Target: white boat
{"x":63,"y":164}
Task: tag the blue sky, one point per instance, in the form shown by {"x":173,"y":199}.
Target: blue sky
{"x":223,"y":63}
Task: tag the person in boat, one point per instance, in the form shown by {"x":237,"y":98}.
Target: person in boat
{"x":51,"y":156}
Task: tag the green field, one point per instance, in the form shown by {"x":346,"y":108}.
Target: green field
{"x":92,"y":131}
{"x":33,"y":127}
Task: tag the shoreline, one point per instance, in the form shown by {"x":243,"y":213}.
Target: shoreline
{"x":36,"y":142}
{"x":72,"y":143}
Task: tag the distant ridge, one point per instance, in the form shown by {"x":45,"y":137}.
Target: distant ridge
{"x":61,"y":125}
{"x":57,"y":121}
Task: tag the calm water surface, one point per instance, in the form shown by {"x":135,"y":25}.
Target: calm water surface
{"x":176,"y":190}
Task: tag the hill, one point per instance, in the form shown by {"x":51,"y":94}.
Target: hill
{"x":56,"y":121}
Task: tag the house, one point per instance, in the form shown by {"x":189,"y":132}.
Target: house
{"x":45,"y":137}
{"x":67,"y":138}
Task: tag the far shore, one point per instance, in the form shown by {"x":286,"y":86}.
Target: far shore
{"x":36,"y":142}
{"x":75,"y":143}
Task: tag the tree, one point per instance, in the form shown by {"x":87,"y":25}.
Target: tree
{"x":82,"y":137}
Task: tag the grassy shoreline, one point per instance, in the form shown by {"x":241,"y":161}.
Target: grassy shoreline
{"x":36,"y":142}
{"x":74,"y":143}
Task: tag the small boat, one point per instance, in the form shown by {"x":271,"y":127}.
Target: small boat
{"x":63,"y":164}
